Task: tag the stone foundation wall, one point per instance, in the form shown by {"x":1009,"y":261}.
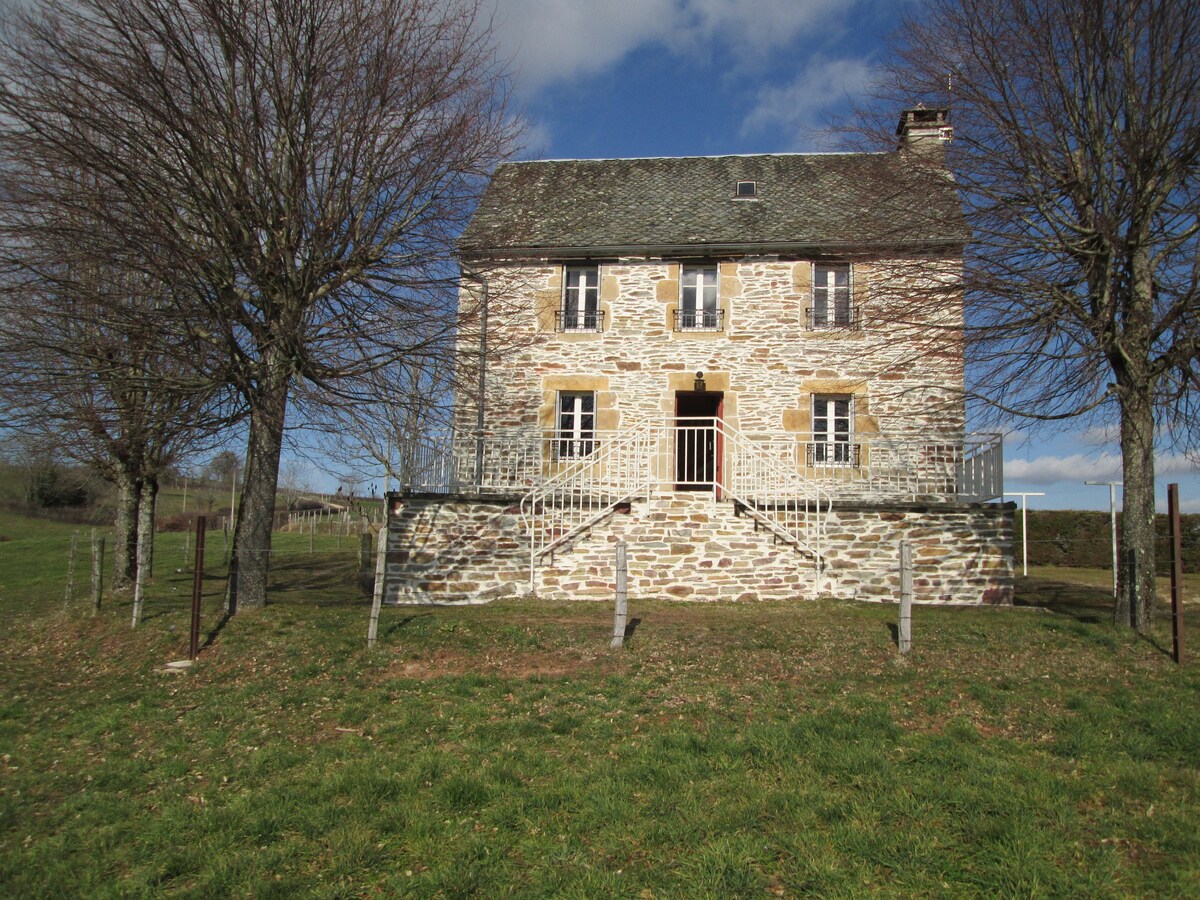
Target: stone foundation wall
{"x":687,"y":547}
{"x":443,"y":550}
{"x":961,"y":554}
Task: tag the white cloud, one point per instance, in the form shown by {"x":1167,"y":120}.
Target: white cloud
{"x":536,"y":136}
{"x":1100,"y":435}
{"x":559,"y":40}
{"x":1088,"y":467}
{"x":1051,"y":469}
{"x":823,"y":85}
{"x":550,"y":41}
{"x":1176,"y":464}
{"x":755,"y":25}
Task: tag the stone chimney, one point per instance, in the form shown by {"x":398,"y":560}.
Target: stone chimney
{"x":925,"y":131}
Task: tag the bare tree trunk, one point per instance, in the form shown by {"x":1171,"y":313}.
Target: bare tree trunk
{"x":145,"y":544}
{"x":1137,"y":507}
{"x":252,"y":538}
{"x":125,"y":546}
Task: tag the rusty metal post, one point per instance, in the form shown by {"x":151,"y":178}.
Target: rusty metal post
{"x":1176,"y":573}
{"x":197,"y":586}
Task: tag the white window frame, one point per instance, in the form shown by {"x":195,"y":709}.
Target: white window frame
{"x":833,"y":430}
{"x":832,"y":304}
{"x":580,"y":306}
{"x":574,"y":424}
{"x":700,"y":298}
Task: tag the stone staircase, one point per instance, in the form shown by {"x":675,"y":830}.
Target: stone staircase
{"x":683,"y":546}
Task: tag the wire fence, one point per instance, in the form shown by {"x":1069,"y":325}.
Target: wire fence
{"x":324,"y":553}
{"x":1083,"y":539}
{"x":68,"y":568}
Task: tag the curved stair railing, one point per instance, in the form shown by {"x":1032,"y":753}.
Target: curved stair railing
{"x":772,"y":492}
{"x":575,"y":498}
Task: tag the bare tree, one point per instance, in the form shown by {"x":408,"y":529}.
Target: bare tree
{"x":407,"y":426}
{"x":90,"y":375}
{"x":295,"y":170}
{"x":1077,"y":150}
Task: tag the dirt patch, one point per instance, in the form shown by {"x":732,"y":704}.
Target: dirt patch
{"x":524,"y":665}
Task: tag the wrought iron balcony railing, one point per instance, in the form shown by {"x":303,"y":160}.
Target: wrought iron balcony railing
{"x":837,"y":319}
{"x":832,"y":453}
{"x":699,"y":320}
{"x":574,"y":321}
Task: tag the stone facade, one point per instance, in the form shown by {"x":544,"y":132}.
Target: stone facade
{"x":445,"y":550}
{"x":903,"y":365}
{"x":961,"y":554}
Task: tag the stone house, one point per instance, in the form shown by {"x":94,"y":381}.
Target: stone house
{"x":747,"y":368}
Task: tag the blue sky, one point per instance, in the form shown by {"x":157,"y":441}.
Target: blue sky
{"x":626,"y":78}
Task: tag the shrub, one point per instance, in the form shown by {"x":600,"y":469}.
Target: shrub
{"x":56,"y":487}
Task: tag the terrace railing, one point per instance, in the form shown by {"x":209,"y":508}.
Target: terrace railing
{"x":865,"y":468}
{"x":586,"y":490}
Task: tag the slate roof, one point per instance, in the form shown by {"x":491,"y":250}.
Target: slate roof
{"x":827,"y":203}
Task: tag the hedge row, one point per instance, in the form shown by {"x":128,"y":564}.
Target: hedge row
{"x":1083,"y":539}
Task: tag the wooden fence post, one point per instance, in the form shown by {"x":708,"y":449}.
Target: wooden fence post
{"x":904,"y":633}
{"x":69,"y":594}
{"x":97,"y":571}
{"x":622,"y":604}
{"x":380,"y":578}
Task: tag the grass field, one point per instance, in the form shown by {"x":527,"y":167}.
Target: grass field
{"x":735,"y":750}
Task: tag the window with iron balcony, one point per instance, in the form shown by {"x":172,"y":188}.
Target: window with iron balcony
{"x":580,"y":309}
{"x":833,"y":432}
{"x":575,"y":426}
{"x":833,"y":306}
{"x":699,"y":303}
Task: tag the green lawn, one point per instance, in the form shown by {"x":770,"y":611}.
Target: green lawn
{"x":731,"y":750}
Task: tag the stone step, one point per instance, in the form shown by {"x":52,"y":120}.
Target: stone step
{"x":680,"y":546}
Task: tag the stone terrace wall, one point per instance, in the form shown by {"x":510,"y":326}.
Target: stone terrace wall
{"x":682,"y":548}
{"x":443,"y":550}
{"x":685,"y":547}
{"x":960,"y":553}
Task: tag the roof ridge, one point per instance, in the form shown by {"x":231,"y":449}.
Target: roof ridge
{"x":522,"y":162}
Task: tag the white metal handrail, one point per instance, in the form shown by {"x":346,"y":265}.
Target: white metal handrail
{"x":678,"y":454}
{"x":576,"y":497}
{"x":773,"y":493}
